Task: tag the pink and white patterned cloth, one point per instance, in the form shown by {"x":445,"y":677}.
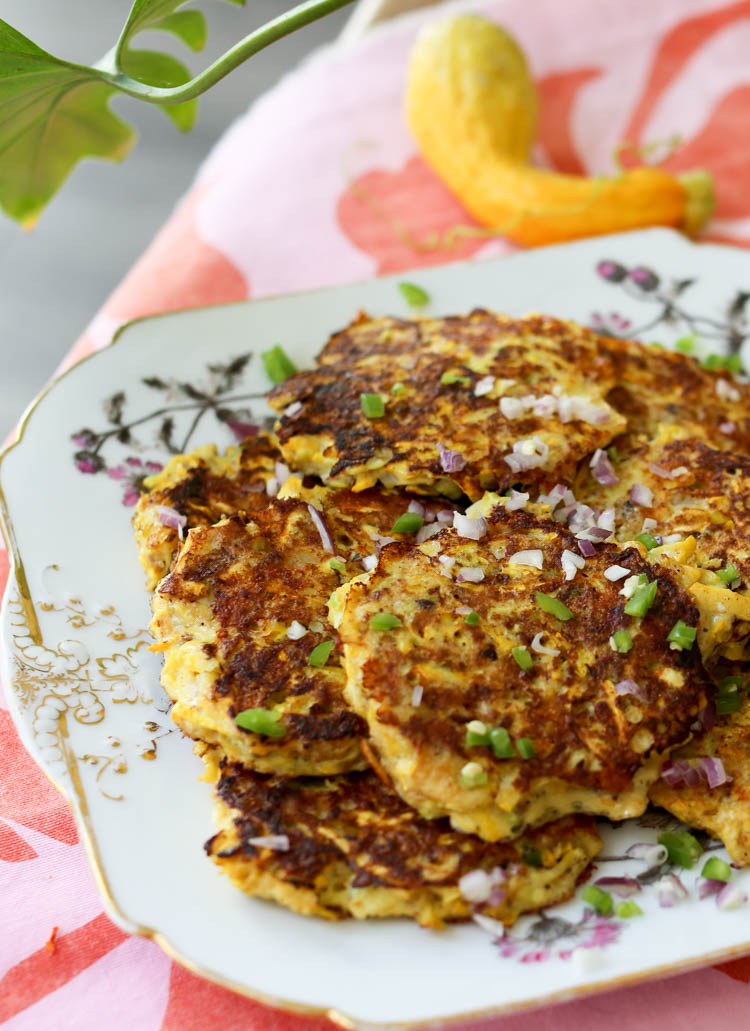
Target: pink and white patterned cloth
{"x":320,"y":183}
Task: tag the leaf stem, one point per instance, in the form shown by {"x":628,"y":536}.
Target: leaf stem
{"x":286,"y":23}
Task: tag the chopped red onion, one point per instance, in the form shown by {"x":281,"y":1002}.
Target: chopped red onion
{"x":659,"y":470}
{"x":672,"y":538}
{"x":597,"y":532}
{"x":624,"y":887}
{"x":417,"y":508}
{"x":430,"y":515}
{"x":541,"y":649}
{"x":380,"y":542}
{"x":447,"y":562}
{"x":488,"y":924}
{"x":473,"y":529}
{"x":582,"y":517}
{"x":580,"y":408}
{"x":586,"y":548}
{"x":648,"y":525}
{"x":602,"y":469}
{"x":708,"y":716}
{"x":641,"y":495}
{"x":516,"y":500}
{"x":728,"y":428}
{"x":527,"y":454}
{"x":293,"y":409}
{"x":172,"y":518}
{"x":512,"y":408}
{"x":451,"y":461}
{"x":272,"y":486}
{"x":554,"y":497}
{"x":614,"y":573}
{"x":669,"y":890}
{"x":477,"y":885}
{"x":276,"y":842}
{"x":416,"y":695}
{"x":730,"y":896}
{"x":571,"y":563}
{"x":295,"y":631}
{"x":464,"y":610}
{"x":652,"y":855}
{"x":425,"y":532}
{"x":607,"y":519}
{"x":681,"y":470}
{"x":629,"y":687}
{"x":257,"y":488}
{"x":470,"y":574}
{"x":715,"y":773}
{"x":545,"y":406}
{"x":320,"y":526}
{"x":497,"y":895}
{"x":282,"y":472}
{"x":484,"y":386}
{"x":531,"y":557}
{"x":445,"y":515}
{"x":369,"y":562}
{"x":707,"y":887}
{"x":726,"y":391}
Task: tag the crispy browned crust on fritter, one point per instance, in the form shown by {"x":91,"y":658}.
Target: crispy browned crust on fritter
{"x":356,"y":850}
{"x":709,"y":499}
{"x":723,"y":811}
{"x":331,"y":437}
{"x":222,"y":616}
{"x":655,"y":385}
{"x":596,"y":751}
{"x":203,"y":486}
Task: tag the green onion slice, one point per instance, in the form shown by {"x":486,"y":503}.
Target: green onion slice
{"x":715,"y":869}
{"x":547,"y":603}
{"x":525,"y":748}
{"x":261,"y":721}
{"x":397,"y":389}
{"x":477,"y":734}
{"x":278,"y":365}
{"x":501,"y":743}
{"x":627,"y":909}
{"x":642,"y":599}
{"x":472,"y":619}
{"x":320,"y":654}
{"x":728,"y":574}
{"x":726,"y":703}
{"x":473,"y":776}
{"x":682,"y":848}
{"x":523,"y":658}
{"x":338,"y":565}
{"x":622,"y":641}
{"x":599,"y":899}
{"x":449,"y":378}
{"x":647,"y":540}
{"x":385,"y":621}
{"x":372,"y":405}
{"x":409,"y":522}
{"x":414,"y":295}
{"x":682,"y":636}
{"x":685,"y":344}
{"x":531,"y":855}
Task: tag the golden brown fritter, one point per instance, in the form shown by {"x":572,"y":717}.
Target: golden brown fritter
{"x":542,"y":411}
{"x":594,"y":748}
{"x":355,"y":850}
{"x":654,"y":385}
{"x":203,"y":486}
{"x":700,"y":500}
{"x":723,"y":811}
{"x":224,"y":615}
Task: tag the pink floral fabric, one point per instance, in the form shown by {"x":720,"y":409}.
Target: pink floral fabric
{"x":321,"y":183}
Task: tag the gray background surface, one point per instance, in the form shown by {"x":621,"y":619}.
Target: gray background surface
{"x":54,"y":278}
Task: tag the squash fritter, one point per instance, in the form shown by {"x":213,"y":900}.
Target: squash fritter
{"x":240,"y":614}
{"x":723,"y":811}
{"x":476,"y":385}
{"x":355,"y":850}
{"x":701,"y":496}
{"x":655,"y":385}
{"x":587,"y":745}
{"x":203,"y":486}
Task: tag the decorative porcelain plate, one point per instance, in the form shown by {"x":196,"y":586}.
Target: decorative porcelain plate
{"x":84,"y":689}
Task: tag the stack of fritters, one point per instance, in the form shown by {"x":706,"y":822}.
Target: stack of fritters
{"x":410,"y":707}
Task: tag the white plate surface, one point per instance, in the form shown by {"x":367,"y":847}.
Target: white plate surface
{"x":85,"y":692}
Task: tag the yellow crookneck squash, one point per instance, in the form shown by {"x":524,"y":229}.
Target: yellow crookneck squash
{"x":472,"y":106}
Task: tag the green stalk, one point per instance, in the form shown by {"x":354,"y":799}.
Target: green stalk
{"x":272,"y":31}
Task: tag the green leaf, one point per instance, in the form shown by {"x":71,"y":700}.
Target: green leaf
{"x":52,"y":114}
{"x":166,"y":16}
{"x":157,"y":69}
